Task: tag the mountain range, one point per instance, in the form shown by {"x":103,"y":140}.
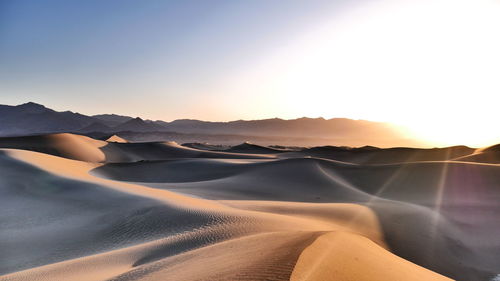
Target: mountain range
{"x":32,"y":119}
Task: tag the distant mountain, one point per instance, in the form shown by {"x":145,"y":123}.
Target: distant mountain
{"x":8,"y":111}
{"x":312,"y":127}
{"x":138,"y":125}
{"x":96,"y":127}
{"x":28,"y":108}
{"x":112,"y":120}
{"x":31,"y":118}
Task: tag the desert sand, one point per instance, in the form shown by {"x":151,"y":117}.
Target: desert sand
{"x":76,"y":208}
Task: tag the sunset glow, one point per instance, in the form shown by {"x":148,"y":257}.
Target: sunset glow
{"x":300,"y":140}
{"x":413,"y":63}
{"x":429,"y":66}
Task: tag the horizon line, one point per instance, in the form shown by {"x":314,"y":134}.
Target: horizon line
{"x":226,"y":121}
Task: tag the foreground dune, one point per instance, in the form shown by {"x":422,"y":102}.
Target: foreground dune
{"x":74,"y":208}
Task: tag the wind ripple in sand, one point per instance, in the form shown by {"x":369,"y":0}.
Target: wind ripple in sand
{"x":256,"y":217}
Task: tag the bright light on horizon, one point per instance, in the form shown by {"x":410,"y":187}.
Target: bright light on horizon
{"x":431,"y":66}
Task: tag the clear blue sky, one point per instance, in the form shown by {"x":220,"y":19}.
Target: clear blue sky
{"x":431,"y":65}
{"x":133,"y":56}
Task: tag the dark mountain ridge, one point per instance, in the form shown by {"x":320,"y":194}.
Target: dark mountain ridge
{"x":32,"y":118}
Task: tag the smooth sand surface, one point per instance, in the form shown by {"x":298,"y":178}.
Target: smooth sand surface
{"x":115,"y":138}
{"x":74,"y":208}
{"x":342,"y":254}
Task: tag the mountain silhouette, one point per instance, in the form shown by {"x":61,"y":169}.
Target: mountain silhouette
{"x":32,"y":119}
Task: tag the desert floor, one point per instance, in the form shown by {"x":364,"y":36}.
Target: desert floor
{"x":76,"y":208}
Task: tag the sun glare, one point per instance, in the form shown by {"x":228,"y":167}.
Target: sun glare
{"x":432,"y":66}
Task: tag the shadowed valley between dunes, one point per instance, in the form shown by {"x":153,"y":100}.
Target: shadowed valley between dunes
{"x":77,"y":208}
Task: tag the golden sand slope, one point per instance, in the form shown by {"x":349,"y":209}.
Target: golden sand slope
{"x":64,"y":145}
{"x":115,"y":138}
{"x":343,"y":256}
{"x":274,"y":254}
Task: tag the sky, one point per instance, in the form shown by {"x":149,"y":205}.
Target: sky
{"x":432,"y":66}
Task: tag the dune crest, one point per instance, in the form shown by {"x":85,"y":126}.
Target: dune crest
{"x":343,"y":256}
{"x":82,"y":209}
{"x":65,"y":145}
{"x":115,"y":138}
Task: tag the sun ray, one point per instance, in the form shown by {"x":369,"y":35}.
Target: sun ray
{"x":438,"y":202}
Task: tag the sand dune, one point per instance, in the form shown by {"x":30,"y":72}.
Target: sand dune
{"x":74,"y":208}
{"x":252,"y":148}
{"x":372,"y":155}
{"x":86,"y":149}
{"x":342,"y":254}
{"x":64,"y":145}
{"x":483,"y":155}
{"x":115,"y":138}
